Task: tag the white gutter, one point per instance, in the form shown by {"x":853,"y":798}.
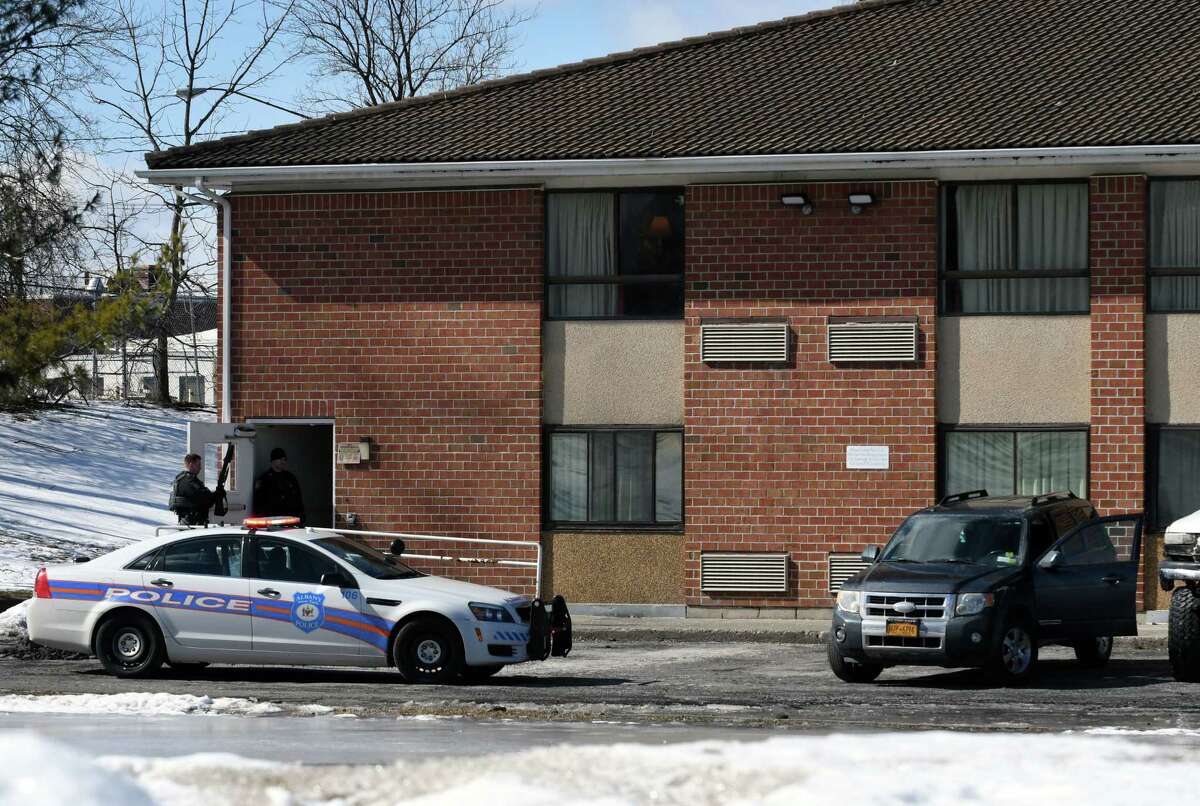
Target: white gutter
{"x":660,"y":166}
{"x":209,"y":197}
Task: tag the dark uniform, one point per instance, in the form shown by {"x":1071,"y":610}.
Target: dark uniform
{"x":277,"y":492}
{"x":190,"y":499}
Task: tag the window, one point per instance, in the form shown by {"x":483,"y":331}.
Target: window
{"x":613,"y":255}
{"x":191,"y":389}
{"x":366,"y":559}
{"x":1174,"y":467}
{"x":284,"y":561}
{"x":212,"y":556}
{"x":1015,"y":248}
{"x":1015,"y":462}
{"x":1091,"y":545}
{"x":615,"y":477}
{"x":1175,"y":245}
{"x":149,"y":386}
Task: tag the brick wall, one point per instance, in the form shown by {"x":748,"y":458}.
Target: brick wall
{"x":415,"y":319}
{"x":1116,"y":473}
{"x":765,"y":447}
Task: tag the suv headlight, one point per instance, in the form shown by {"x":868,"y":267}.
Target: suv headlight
{"x":1179,"y":543}
{"x":971,"y":604}
{"x":848,"y":602}
{"x":490,"y":612}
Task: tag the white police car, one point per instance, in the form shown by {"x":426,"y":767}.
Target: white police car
{"x":264,"y":594}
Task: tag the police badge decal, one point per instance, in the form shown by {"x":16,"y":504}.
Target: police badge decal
{"x":308,"y":611}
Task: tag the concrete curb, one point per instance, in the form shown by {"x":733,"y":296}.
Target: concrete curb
{"x":606,"y":634}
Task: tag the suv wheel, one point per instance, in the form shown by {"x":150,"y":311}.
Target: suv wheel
{"x":848,"y":670}
{"x":1016,"y":655}
{"x":1183,"y":635}
{"x":1094,"y":652}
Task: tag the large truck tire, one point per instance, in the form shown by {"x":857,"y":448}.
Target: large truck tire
{"x":1183,"y":635}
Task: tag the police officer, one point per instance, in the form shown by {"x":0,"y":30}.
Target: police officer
{"x":277,"y":492}
{"x":190,"y":499}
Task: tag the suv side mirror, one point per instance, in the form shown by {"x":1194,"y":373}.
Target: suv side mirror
{"x":870,"y":554}
{"x":397,"y":547}
{"x":1051,"y":560}
{"x":338,"y":580}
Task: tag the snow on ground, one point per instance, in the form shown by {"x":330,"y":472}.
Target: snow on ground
{"x":38,"y":771}
{"x":887,"y":769}
{"x":84,"y":479}
{"x":147,"y":704}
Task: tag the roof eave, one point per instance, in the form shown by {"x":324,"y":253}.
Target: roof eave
{"x":511,"y":171}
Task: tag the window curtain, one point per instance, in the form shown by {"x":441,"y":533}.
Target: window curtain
{"x":1051,"y":221}
{"x":1178,"y":471}
{"x":1051,"y":460}
{"x":668,"y":478}
{"x":979,"y":460}
{"x":580,"y":243}
{"x":635,"y":462}
{"x":568,"y":477}
{"x":1175,"y":243}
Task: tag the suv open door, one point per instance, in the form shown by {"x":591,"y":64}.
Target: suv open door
{"x":1086,"y":583}
{"x":211,"y":441}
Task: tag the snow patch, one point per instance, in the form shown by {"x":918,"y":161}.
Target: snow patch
{"x":934,"y":769}
{"x":38,"y":771}
{"x":148,"y":704}
{"x":1141,"y":732}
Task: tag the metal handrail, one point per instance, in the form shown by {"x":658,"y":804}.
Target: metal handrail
{"x":536,"y":545}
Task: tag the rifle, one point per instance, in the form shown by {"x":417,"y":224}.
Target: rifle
{"x":220,"y":500}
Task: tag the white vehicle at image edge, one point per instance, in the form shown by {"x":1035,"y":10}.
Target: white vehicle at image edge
{"x":267,"y":594}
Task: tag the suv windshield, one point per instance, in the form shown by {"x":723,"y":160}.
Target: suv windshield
{"x":974,"y":539}
{"x":366,"y":559}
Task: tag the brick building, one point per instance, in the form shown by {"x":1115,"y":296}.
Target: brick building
{"x":707,"y":318}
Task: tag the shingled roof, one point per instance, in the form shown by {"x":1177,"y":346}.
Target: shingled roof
{"x":888,"y":75}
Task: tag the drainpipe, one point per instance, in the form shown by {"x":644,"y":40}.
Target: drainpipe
{"x":209,"y":197}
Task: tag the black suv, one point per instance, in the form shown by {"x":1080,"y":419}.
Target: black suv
{"x":984,"y":581}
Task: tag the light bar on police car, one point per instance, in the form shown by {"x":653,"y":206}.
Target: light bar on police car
{"x":264,"y":523}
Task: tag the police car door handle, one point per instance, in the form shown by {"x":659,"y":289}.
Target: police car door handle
{"x":162,"y":583}
{"x":270,"y":593}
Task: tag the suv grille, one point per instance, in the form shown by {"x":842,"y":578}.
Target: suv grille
{"x":925,"y":607}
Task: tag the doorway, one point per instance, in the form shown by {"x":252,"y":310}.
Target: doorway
{"x":309,"y":447}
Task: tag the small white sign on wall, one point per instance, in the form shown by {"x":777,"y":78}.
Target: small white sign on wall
{"x":867,"y":457}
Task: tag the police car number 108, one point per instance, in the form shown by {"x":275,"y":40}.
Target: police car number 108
{"x":267,"y":593}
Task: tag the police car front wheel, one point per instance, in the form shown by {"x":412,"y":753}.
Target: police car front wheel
{"x":129,"y":646}
{"x":427,"y":651}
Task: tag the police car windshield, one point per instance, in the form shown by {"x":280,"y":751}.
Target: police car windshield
{"x":366,"y":559}
{"x":974,"y":539}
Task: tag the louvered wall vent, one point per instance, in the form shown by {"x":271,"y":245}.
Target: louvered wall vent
{"x":764,"y":341}
{"x":842,"y":567}
{"x":851,"y":341}
{"x":744,"y":573}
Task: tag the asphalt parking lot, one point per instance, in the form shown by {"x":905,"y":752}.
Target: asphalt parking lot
{"x":720,"y":684}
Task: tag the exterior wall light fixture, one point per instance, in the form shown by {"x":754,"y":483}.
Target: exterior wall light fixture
{"x":797,"y":200}
{"x":860,"y":201}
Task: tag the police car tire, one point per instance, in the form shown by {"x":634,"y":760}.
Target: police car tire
{"x":849,"y":671}
{"x":412,"y":650}
{"x":476,"y":674}
{"x":138,"y":633}
{"x":1183,"y":635}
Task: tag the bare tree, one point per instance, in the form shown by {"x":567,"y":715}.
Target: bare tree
{"x":377,"y":51}
{"x":173,"y":78}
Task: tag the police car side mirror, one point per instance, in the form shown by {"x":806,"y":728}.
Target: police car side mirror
{"x":397,"y":547}
{"x":1051,"y":560}
{"x":870,"y":554}
{"x":337,"y":580}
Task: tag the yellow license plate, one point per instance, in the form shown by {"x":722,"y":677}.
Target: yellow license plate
{"x":903,"y":629}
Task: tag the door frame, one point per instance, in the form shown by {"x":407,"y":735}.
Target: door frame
{"x":329,"y":421}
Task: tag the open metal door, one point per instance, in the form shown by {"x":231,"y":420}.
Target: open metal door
{"x":211,"y":441}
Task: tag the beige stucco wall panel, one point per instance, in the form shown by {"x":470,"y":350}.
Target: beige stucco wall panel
{"x":1014,"y":369}
{"x":1173,"y":368}
{"x":615,"y":568}
{"x":613,"y":373}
